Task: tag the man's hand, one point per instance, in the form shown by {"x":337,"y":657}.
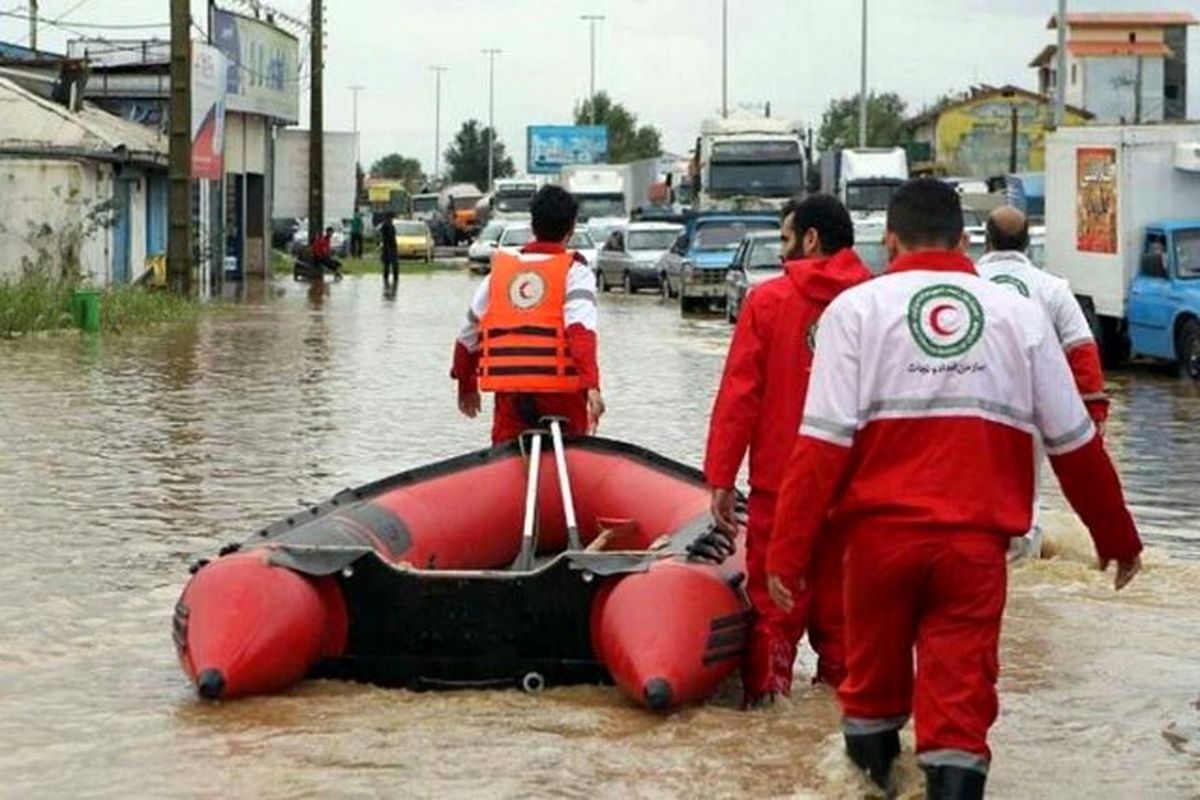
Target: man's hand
{"x":469,"y":403}
{"x":595,"y":409}
{"x":781,"y":594}
{"x":723,"y":501}
{"x":1125,"y":571}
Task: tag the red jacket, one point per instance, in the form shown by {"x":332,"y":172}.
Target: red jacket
{"x":766,"y":373}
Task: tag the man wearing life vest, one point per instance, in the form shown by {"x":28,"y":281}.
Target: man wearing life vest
{"x":530,"y":333}
{"x":758,"y":408}
{"x":929,"y":386}
{"x":1006,"y":264}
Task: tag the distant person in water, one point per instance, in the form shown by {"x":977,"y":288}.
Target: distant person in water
{"x":389,"y":253}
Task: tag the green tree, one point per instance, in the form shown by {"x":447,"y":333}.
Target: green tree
{"x":397,"y":167}
{"x":885,"y":122}
{"x":627,"y":141}
{"x":467,"y":156}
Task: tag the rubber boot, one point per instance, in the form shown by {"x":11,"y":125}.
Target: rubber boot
{"x":953,"y":783}
{"x":874,"y":753}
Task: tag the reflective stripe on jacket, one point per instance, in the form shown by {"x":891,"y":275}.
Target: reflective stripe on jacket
{"x":524,"y":344}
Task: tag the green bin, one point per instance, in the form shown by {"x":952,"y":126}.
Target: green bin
{"x":87,"y":309}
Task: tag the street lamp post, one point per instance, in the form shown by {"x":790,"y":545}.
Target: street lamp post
{"x":1060,"y":68}
{"x":862,"y":83}
{"x":437,"y":123}
{"x":592,"y":19}
{"x":354,"y":90}
{"x":724,"y":58}
{"x":491,"y":53}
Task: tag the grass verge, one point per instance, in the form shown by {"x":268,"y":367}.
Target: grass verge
{"x":369,"y":264}
{"x":31,"y":305}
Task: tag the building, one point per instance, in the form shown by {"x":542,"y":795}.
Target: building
{"x":1123,"y":68}
{"x":81,"y":191}
{"x":979,"y":133}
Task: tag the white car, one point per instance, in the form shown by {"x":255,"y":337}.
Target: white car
{"x":479,"y":254}
{"x":517,"y":236}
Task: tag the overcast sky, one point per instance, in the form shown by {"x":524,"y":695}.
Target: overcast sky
{"x":660,"y":58}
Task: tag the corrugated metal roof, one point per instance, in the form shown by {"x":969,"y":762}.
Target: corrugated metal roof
{"x":1125,"y":19}
{"x":30,"y":124}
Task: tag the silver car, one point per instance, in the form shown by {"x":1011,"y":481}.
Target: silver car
{"x":758,"y":259}
{"x":629,"y":257}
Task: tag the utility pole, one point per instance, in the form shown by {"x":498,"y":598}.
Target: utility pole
{"x":1012,"y":140}
{"x":1137,"y":93}
{"x":491,"y":53}
{"x":179,"y":201}
{"x":33,"y":24}
{"x":1060,"y":68}
{"x":724,"y":59}
{"x":437,"y":124}
{"x":862,"y":83}
{"x":592,"y":19}
{"x":316,"y":125}
{"x":354,"y":90}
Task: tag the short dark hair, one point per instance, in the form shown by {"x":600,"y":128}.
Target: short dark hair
{"x":825,"y":214}
{"x":926,"y":213}
{"x":553,"y":211}
{"x":1001,"y":240}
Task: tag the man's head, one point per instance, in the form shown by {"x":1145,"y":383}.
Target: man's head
{"x":925,"y":214}
{"x":329,"y":231}
{"x":553,"y":211}
{"x":1007,"y":229}
{"x":816,"y":227}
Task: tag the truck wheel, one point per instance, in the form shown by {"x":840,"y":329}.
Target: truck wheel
{"x":627,"y":284}
{"x":686,"y":305}
{"x":1187,"y":349}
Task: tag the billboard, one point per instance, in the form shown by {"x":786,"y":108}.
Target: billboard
{"x":208,"y":111}
{"x":263,"y":76}
{"x":549,"y":148}
{"x":1096,"y":200}
{"x":291,"y":174}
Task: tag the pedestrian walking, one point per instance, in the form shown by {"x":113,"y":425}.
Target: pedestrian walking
{"x":929,"y":387}
{"x":389,"y":252}
{"x":356,"y":235}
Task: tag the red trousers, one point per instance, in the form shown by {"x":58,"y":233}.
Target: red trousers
{"x":942,"y":593}
{"x":776,"y":633}
{"x":516,"y":413}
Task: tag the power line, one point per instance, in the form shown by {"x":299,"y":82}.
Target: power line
{"x":96,"y":25}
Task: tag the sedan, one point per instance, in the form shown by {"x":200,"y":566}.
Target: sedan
{"x":630,"y":256}
{"x":413,"y":240}
{"x":480,"y":252}
{"x":758,"y":259}
{"x":516,"y":236}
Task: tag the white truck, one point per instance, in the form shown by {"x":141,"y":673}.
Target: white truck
{"x":1123,"y":226}
{"x":602,"y":193}
{"x":864,"y":178}
{"x":748,"y":164}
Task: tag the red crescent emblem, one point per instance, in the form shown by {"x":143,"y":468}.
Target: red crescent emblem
{"x":522,"y":291}
{"x":935,"y":319}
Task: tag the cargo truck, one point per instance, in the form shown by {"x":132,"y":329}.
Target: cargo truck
{"x":1123,"y":226}
{"x":748,"y":164}
{"x":864,"y":178}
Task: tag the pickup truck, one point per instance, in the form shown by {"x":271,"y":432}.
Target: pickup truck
{"x":1123,"y":226}
{"x":694,"y":269}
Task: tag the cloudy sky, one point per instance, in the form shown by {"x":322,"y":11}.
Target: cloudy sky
{"x":661,"y":58}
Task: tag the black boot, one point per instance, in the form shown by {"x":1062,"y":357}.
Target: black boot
{"x":874,"y":753}
{"x":953,"y":783}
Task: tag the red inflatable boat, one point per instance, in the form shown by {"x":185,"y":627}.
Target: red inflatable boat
{"x":428,"y":579}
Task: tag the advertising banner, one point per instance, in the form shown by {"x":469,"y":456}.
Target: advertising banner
{"x":1096,"y":200}
{"x":263,"y":74}
{"x":208,"y":111}
{"x":552,"y":147}
{"x":291,"y":174}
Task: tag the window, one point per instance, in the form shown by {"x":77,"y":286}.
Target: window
{"x":1187,"y":254}
{"x":1153,"y":265}
{"x":1074,"y":74}
{"x":651,"y":240}
{"x":1132,"y":37}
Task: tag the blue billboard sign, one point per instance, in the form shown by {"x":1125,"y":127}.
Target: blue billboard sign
{"x":552,"y":147}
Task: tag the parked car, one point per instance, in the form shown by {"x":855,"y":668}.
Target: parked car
{"x":517,"y":235}
{"x":479,"y":254}
{"x":630,"y":257}
{"x":283,"y":232}
{"x":758,"y":259}
{"x":414,"y":240}
{"x":694,"y":268}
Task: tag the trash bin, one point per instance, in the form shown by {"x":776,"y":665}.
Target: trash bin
{"x":87,"y":309}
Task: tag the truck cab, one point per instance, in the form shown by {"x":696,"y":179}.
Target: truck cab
{"x":1164,"y":295}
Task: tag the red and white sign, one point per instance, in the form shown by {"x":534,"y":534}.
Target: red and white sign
{"x":208,"y":111}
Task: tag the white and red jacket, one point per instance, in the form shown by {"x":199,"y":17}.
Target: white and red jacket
{"x":1015,"y":271}
{"x":929,"y":386}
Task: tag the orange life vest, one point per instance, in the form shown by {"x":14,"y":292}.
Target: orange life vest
{"x":524,"y":339}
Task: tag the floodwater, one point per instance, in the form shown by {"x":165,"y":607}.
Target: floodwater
{"x":123,"y":459}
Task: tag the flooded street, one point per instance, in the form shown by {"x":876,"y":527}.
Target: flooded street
{"x":123,"y":459}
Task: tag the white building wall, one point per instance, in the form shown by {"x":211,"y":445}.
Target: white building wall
{"x":42,"y":205}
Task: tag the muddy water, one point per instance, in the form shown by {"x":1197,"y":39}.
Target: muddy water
{"x":123,"y":459}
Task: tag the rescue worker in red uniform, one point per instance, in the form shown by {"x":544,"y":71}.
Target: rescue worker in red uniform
{"x":530,"y":333}
{"x":758,"y":408}
{"x":929,"y":386}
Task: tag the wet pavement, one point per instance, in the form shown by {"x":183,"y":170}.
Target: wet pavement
{"x":122,"y":459}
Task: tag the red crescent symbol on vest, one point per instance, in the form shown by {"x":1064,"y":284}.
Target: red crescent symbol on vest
{"x":935,"y":319}
{"x":522,"y":290}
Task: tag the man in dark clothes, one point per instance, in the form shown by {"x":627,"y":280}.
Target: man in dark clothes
{"x":388,"y":252}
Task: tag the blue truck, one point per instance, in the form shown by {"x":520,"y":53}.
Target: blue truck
{"x":1123,"y":226}
{"x":694,"y":269}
